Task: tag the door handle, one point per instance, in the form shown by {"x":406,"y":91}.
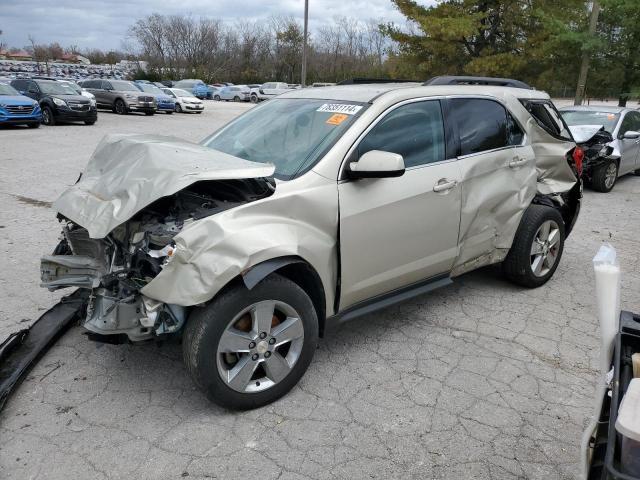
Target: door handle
{"x":517,"y":161}
{"x":443,"y":185}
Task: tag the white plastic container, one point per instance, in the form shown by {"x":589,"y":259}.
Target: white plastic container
{"x":628,"y":425}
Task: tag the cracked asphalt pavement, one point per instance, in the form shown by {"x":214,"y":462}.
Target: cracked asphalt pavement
{"x":479,"y":380}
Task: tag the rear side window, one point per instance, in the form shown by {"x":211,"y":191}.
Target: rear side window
{"x":414,"y":131}
{"x":483,"y":125}
{"x":546,"y":115}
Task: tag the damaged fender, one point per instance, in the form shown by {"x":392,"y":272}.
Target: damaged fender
{"x":294,"y":221}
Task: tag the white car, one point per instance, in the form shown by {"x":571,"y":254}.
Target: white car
{"x":185,"y":101}
{"x":268,"y":90}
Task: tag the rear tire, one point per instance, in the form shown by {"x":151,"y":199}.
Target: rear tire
{"x":231,"y":323}
{"x":533,"y":259}
{"x":605,"y":176}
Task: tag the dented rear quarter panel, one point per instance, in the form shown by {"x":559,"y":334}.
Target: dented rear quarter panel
{"x":299,"y":219}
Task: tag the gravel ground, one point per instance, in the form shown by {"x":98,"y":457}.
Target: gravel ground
{"x":477,"y":380}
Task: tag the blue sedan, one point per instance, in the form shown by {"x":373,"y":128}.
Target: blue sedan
{"x":16,"y":109}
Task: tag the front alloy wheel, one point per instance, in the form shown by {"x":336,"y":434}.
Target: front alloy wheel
{"x":47,"y":116}
{"x":260,"y":346}
{"x":605,"y":176}
{"x":247,"y":348}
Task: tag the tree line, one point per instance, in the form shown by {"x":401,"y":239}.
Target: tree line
{"x":538,"y":41}
{"x":249,"y":52}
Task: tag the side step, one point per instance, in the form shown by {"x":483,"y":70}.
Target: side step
{"x":22,"y":349}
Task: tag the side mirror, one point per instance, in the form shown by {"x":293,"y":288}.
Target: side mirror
{"x":377,"y":164}
{"x":631,"y":135}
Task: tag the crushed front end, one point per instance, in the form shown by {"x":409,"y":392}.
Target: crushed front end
{"x":120,"y":219}
{"x":115,"y":268}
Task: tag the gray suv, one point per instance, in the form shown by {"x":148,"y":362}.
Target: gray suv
{"x":309,"y":210}
{"x":120,"y":96}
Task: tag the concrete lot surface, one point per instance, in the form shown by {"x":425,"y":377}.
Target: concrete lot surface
{"x":477,"y":380}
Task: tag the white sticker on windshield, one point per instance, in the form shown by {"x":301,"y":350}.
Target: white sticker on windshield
{"x":339,"y":108}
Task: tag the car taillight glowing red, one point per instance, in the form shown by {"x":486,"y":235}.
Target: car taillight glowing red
{"x":578,"y":156}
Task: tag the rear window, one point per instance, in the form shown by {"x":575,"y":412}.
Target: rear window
{"x":546,"y":115}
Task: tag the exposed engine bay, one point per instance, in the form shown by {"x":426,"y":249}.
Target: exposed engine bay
{"x":115,"y":268}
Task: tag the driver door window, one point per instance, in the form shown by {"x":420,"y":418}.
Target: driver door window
{"x":415,"y":131}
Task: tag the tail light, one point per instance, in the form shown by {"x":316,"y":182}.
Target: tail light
{"x":578,"y":156}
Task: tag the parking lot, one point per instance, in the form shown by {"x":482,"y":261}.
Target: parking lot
{"x":480,"y":379}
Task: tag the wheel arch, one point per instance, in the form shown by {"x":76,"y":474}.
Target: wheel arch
{"x":297,"y":270}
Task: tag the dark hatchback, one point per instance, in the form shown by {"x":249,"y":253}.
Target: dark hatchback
{"x":59,"y":103}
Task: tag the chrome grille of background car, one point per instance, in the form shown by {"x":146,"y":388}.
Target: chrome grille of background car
{"x":20,"y":109}
{"x":81,"y":244}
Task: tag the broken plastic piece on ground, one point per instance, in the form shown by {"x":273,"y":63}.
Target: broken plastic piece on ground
{"x":20,"y":351}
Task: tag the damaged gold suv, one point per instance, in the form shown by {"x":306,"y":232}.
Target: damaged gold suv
{"x":312,"y":209}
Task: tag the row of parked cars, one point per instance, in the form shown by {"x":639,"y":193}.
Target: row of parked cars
{"x":229,"y":92}
{"x":48,"y":100}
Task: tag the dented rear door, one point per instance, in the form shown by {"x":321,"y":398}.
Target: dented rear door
{"x":498,"y":179}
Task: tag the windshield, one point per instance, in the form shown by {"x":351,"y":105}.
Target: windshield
{"x":182,"y":93}
{"x":186,"y":83}
{"x":146,"y":87}
{"x":8,"y":90}
{"x":291,"y":134}
{"x":123,"y":86}
{"x":583,"y":117}
{"x":76,"y":88}
{"x":55,"y":88}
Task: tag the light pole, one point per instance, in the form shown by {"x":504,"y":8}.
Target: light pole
{"x":304,"y":44}
{"x":584,"y":67}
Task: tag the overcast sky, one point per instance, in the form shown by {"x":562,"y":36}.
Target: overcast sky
{"x":104,"y":23}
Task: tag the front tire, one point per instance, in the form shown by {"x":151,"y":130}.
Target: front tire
{"x":605,"y":176}
{"x":247,"y":348}
{"x":120,"y":107}
{"x":537,"y":247}
{"x":178,"y":108}
{"x":217,"y":98}
{"x":254,"y":99}
{"x":47,"y":117}
{"x":149,"y":114}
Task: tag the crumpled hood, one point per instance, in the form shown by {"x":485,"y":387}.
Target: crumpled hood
{"x":128,"y":172}
{"x":584,"y":133}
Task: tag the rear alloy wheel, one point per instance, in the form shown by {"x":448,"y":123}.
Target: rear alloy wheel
{"x":236,"y":98}
{"x":248,"y":348}
{"x":537,"y":247}
{"x":605,"y":176}
{"x":47,"y":116}
{"x":120,"y":107}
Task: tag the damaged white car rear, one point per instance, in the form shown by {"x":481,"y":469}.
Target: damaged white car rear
{"x":311,"y":209}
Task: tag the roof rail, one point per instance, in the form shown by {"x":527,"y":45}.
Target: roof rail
{"x":364,"y":80}
{"x":464,"y":80}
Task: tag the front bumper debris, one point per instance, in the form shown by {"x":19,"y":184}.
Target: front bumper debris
{"x":20,"y":351}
